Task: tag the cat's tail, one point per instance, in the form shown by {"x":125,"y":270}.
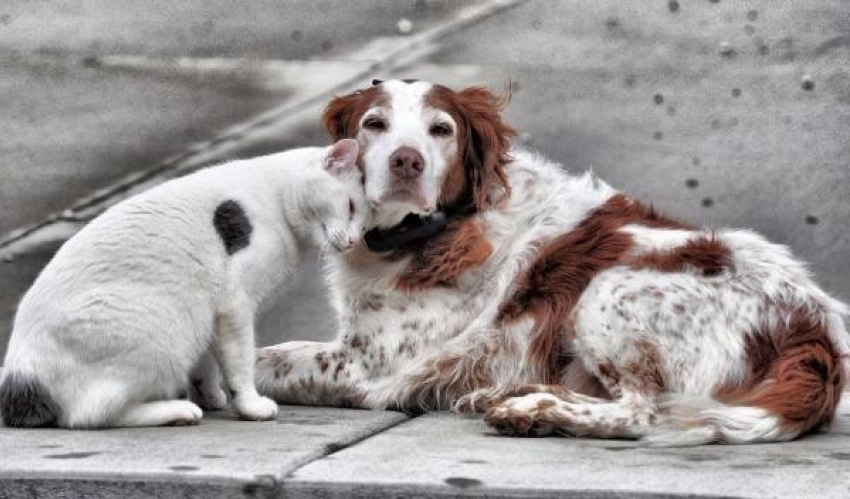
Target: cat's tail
{"x":25,"y":402}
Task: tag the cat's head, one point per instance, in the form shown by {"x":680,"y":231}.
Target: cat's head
{"x":341,"y":206}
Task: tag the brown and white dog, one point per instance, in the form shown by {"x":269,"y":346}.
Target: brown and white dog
{"x":551,"y":301}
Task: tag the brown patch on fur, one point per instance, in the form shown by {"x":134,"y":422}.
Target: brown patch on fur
{"x":449,"y":378}
{"x":410,"y":325}
{"x":341,"y":117}
{"x":610,"y":372}
{"x":356,"y":342}
{"x":796,"y":373}
{"x":580,"y":381}
{"x":461,"y":247}
{"x":706,"y":254}
{"x":283,"y":369}
{"x":564,"y":267}
{"x":646,"y":372}
{"x":483,"y":145}
{"x":407,"y":346}
{"x":322,"y":361}
{"x":339,"y":367}
{"x":372,"y":302}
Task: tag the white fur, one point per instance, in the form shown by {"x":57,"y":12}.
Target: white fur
{"x":131,"y":304}
{"x":409,"y":121}
{"x":701,"y":349}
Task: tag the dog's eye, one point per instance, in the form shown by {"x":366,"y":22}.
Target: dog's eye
{"x":441,"y":129}
{"x":375,"y":124}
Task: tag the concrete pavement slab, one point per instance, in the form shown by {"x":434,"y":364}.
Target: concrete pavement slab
{"x":94,"y":90}
{"x":260,"y":29}
{"x":441,"y":455}
{"x":221,"y":457}
{"x":70,"y":129}
{"x":701,"y":109}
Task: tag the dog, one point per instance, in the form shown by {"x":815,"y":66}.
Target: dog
{"x":497,"y":282}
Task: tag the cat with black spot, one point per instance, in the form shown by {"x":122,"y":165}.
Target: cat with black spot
{"x":160,"y":291}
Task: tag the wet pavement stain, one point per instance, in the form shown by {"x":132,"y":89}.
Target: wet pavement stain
{"x":832,"y":43}
{"x":73,"y":455}
{"x":463,"y":483}
{"x":808,"y":83}
{"x":699,"y":458}
{"x":183,"y":467}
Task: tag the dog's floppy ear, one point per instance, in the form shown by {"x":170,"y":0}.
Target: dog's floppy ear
{"x":342,"y":114}
{"x":488,"y":142}
{"x":338,"y":114}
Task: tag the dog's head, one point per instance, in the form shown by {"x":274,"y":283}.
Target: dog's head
{"x":424,"y":147}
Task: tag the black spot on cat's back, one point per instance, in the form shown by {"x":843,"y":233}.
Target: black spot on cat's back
{"x":233,"y":227}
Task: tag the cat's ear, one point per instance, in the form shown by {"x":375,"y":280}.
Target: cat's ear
{"x":342,"y":157}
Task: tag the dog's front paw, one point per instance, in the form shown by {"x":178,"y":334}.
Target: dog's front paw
{"x":522,"y":416}
{"x":255,"y":408}
{"x":479,"y":401}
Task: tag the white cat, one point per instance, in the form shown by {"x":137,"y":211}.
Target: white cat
{"x":112,"y":328}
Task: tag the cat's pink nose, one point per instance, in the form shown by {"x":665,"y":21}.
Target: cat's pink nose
{"x":352,"y":242}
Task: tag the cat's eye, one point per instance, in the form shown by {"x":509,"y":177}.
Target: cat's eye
{"x":375,"y":123}
{"x":441,"y":130}
{"x":350,"y":208}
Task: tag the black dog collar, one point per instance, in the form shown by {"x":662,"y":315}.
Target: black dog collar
{"x":413,"y":228}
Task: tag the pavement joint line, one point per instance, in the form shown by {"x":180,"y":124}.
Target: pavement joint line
{"x":235,"y":134}
{"x":331,"y":449}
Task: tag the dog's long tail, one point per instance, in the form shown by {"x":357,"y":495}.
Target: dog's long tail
{"x":795,"y":386}
{"x":25,"y":402}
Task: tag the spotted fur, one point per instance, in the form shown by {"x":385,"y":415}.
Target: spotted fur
{"x":162,"y":289}
{"x":588,"y":314}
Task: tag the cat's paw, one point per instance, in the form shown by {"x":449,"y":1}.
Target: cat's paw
{"x":184,"y":413}
{"x":255,"y":408}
